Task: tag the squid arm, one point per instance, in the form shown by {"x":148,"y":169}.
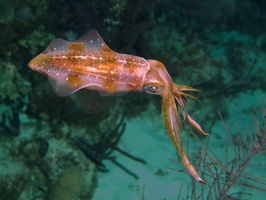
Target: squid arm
{"x":172,"y":123}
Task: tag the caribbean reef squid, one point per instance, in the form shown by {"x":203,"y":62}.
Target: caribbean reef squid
{"x":89,"y":63}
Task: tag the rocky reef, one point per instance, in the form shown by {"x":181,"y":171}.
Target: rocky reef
{"x":217,"y":47}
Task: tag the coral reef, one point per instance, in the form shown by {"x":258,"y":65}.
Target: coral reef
{"x":218,"y":48}
{"x":69,"y":185}
{"x":8,"y":88}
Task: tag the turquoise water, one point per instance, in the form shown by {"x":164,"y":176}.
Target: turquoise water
{"x":90,"y":146}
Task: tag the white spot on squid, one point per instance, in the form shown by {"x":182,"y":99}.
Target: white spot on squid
{"x":93,"y":57}
{"x":82,"y":57}
{"x":122,"y":61}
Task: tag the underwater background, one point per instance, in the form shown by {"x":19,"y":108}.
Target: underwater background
{"x":87,"y":146}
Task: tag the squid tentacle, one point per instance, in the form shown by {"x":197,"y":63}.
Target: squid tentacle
{"x":195,"y":125}
{"x":172,"y":122}
{"x":180,"y":98}
{"x":184,"y":88}
{"x":180,"y":102}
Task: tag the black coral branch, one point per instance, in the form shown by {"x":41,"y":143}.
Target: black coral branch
{"x":224,"y":175}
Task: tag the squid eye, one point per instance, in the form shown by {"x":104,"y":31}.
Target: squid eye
{"x":153,"y":89}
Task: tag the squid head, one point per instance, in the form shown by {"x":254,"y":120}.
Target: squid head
{"x":159,"y":82}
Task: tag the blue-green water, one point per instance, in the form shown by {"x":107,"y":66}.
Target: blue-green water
{"x":69,"y":148}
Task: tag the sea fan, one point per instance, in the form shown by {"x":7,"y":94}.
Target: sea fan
{"x":230,"y":179}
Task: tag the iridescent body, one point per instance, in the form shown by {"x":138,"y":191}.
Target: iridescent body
{"x":89,"y":63}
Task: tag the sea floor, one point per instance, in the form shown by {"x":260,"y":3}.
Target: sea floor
{"x":144,"y":139}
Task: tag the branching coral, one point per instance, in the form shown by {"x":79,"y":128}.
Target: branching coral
{"x":102,"y":150}
{"x":224,"y":176}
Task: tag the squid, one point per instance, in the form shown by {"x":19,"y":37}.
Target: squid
{"x":89,"y":63}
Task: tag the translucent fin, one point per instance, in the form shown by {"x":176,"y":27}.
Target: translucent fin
{"x":93,"y":41}
{"x":57,"y":46}
{"x":69,"y":85}
{"x":103,"y":93}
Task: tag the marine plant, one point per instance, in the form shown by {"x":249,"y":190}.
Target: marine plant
{"x":231,"y":178}
{"x":104,"y":147}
